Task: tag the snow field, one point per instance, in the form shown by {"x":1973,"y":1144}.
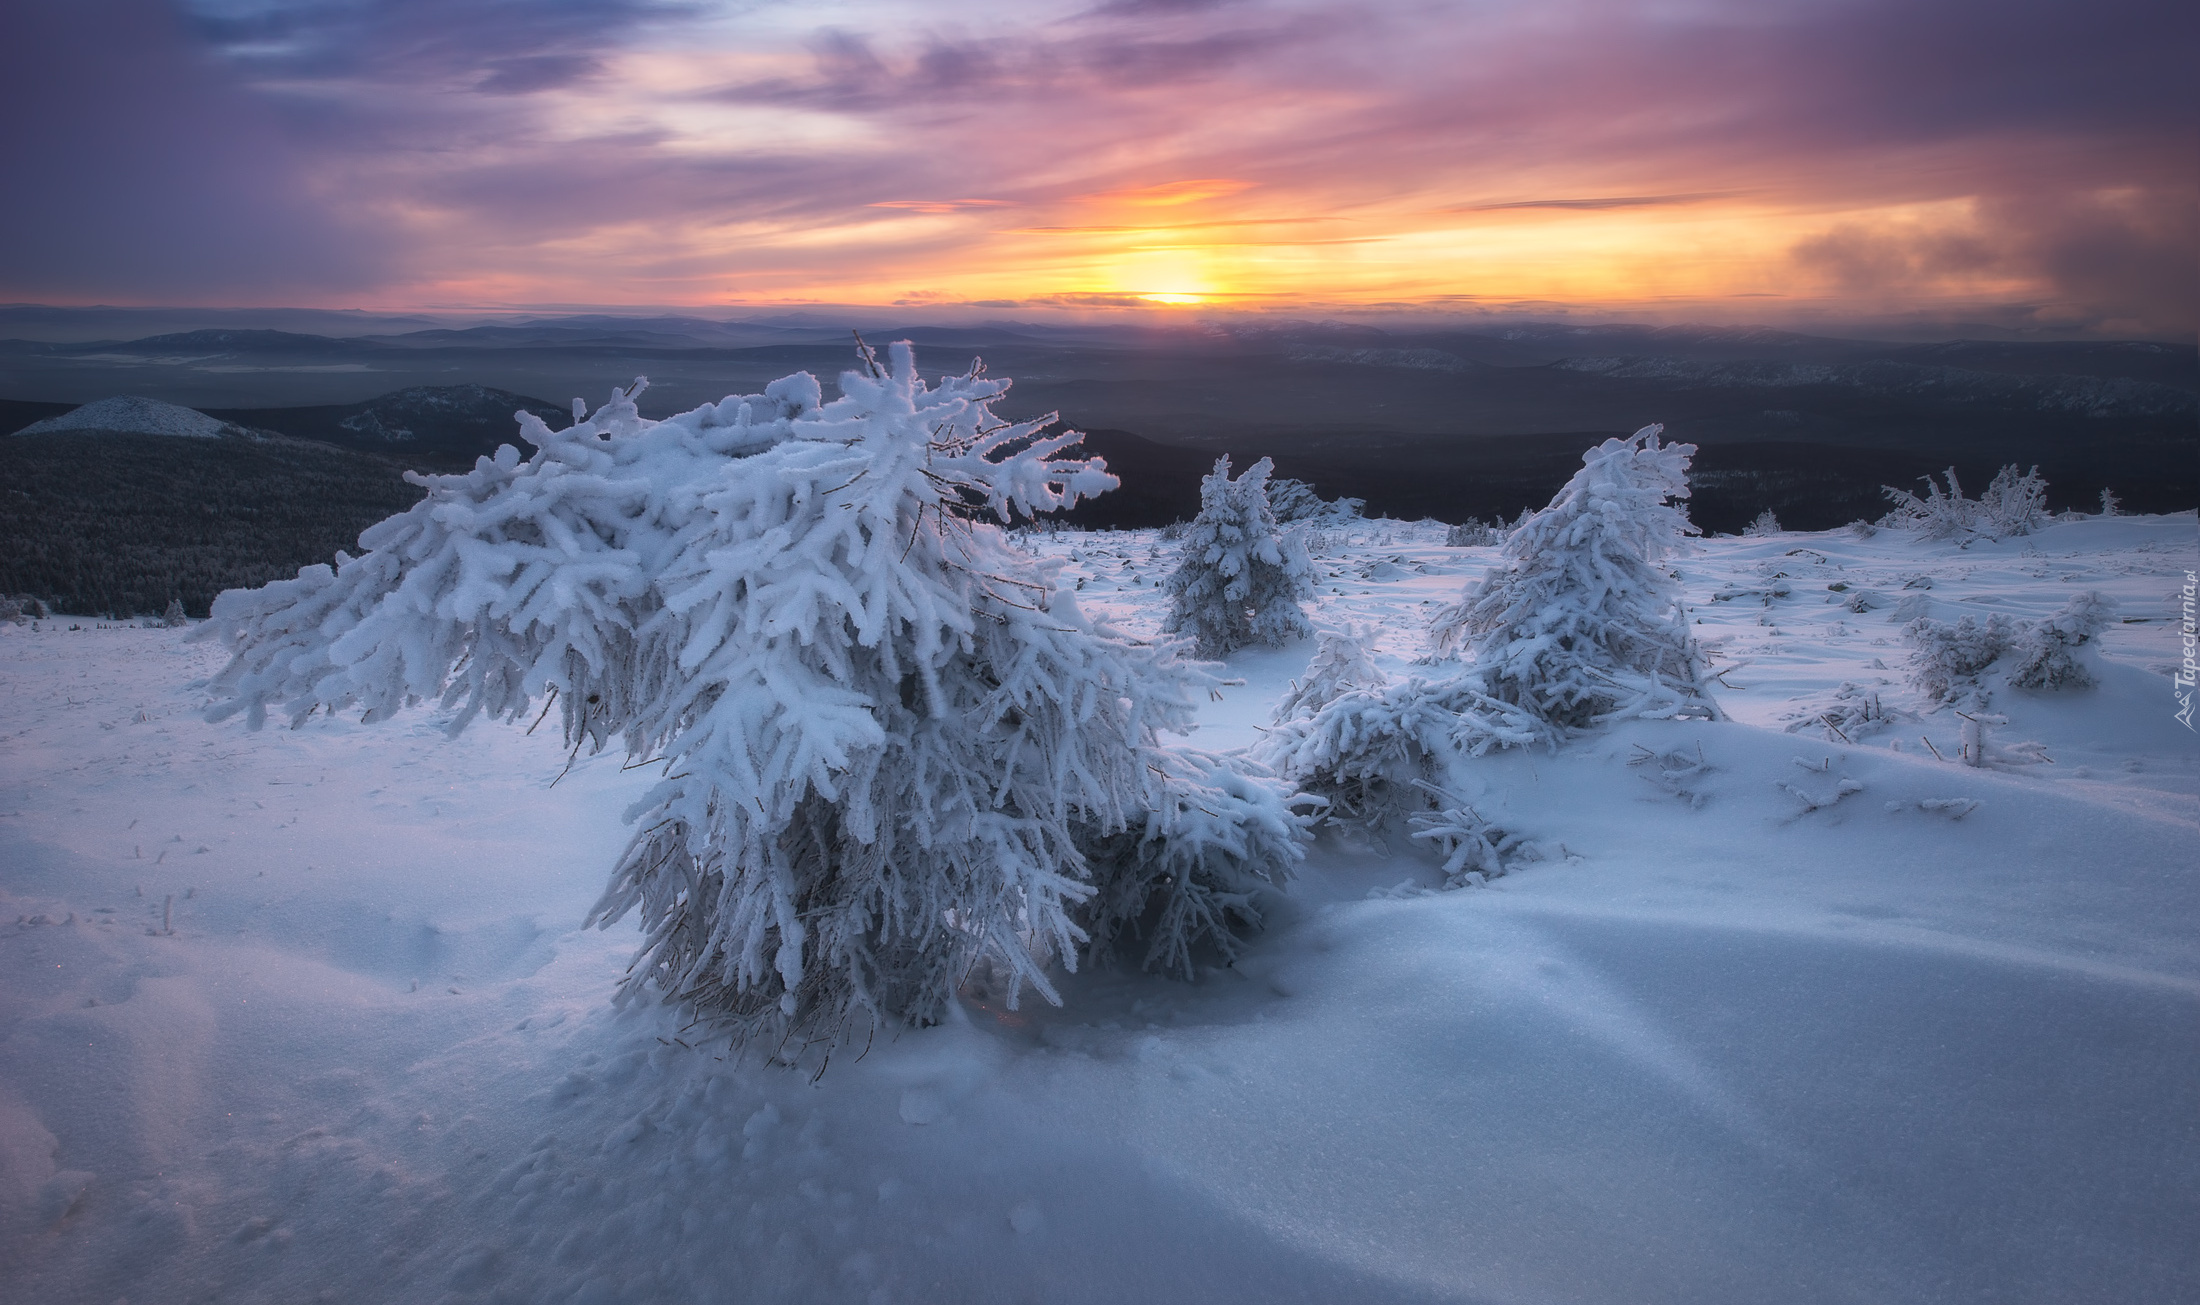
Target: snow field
{"x":1776,"y":1016}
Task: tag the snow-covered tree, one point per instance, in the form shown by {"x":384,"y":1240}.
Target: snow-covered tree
{"x":892,"y":748}
{"x":1764,"y":526}
{"x":2045,"y":655}
{"x":1294,"y":501}
{"x":174,"y":616}
{"x":1472,"y":533}
{"x":1240,"y":578}
{"x":1577,"y":625}
{"x":1340,"y":665}
{"x":2111,"y":506}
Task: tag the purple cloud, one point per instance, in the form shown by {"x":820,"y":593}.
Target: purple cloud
{"x":315,"y":148}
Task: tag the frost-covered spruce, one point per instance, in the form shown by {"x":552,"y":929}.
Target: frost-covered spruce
{"x":1576,"y":625}
{"x":1341,"y":665}
{"x":1765,"y":526}
{"x":1579,"y":623}
{"x":893,"y":750}
{"x":1240,"y":578}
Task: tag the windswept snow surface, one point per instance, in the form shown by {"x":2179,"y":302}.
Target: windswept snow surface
{"x":1782,"y":1016}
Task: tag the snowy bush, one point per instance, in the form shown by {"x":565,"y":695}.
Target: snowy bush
{"x":1470,"y":534}
{"x":2045,"y":655}
{"x":891,"y":748}
{"x":1852,"y":712}
{"x":2014,"y":504}
{"x":1765,"y":525}
{"x":1239,"y":579}
{"x":1949,"y":658}
{"x":173,"y":617}
{"x":1576,"y":626}
{"x":1295,"y":501}
{"x":1937,"y":515}
{"x":1340,"y":665}
{"x":1474,"y":850}
{"x":2111,"y":506}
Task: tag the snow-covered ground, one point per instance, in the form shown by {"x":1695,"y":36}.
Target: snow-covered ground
{"x":1784,"y":1016}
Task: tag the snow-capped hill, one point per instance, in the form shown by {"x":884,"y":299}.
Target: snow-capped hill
{"x":133,"y":415}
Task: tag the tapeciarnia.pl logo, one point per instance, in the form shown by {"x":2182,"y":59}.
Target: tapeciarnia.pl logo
{"x":2189,"y":633}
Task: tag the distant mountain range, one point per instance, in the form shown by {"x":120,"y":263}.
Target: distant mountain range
{"x":1451,"y":423}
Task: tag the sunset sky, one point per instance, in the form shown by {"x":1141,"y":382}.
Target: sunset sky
{"x":1745,"y":160}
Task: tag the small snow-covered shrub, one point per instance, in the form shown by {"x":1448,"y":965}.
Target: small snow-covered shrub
{"x":173,"y":617}
{"x":893,"y":749}
{"x":1365,"y":751}
{"x":1911,"y":607}
{"x":1470,"y":534}
{"x":1765,"y":525}
{"x":1852,"y":712}
{"x":1294,"y":501}
{"x":2111,"y":506}
{"x":1341,"y":664}
{"x":1862,"y":529}
{"x":1189,"y":870}
{"x":1938,"y":515}
{"x":1576,"y":626}
{"x":1239,"y":579}
{"x":1949,"y":658}
{"x":1474,"y":850}
{"x":2045,"y":654}
{"x":2014,"y":503}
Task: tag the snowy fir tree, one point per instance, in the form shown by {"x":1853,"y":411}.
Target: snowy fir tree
{"x":1240,"y":578}
{"x":892,"y":749}
{"x":1764,"y":527}
{"x":1576,"y":625}
{"x":1579,"y":622}
{"x":2111,"y":506}
{"x":1341,"y":665}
